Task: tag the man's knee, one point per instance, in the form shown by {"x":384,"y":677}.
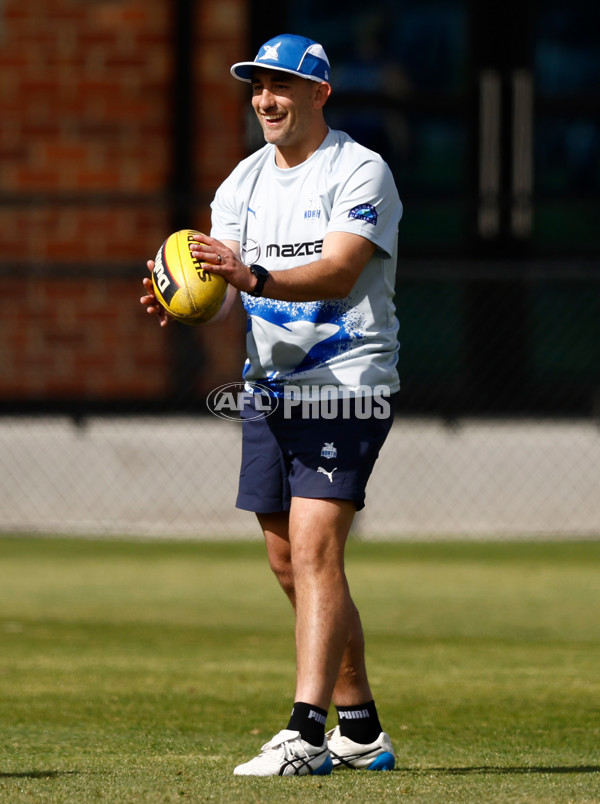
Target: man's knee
{"x":281,"y":566}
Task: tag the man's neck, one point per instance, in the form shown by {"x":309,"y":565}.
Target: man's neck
{"x":289,"y":157}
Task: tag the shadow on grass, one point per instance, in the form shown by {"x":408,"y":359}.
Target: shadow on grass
{"x":36,"y":774}
{"x":488,"y":769}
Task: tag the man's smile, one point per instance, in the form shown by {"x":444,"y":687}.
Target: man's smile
{"x":273,"y":118}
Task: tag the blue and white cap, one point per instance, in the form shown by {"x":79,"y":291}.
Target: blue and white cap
{"x":290,"y":54}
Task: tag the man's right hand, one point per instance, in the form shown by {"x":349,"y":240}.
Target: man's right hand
{"x":149,"y":300}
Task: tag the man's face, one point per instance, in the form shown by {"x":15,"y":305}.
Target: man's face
{"x":284,"y":105}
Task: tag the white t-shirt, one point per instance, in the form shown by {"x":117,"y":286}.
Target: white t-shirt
{"x":280,"y":218}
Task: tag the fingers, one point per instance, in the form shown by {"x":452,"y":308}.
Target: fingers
{"x":208,"y":250}
{"x":149,"y":300}
{"x":218,"y":258}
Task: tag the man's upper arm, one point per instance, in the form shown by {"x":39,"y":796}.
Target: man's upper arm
{"x":349,"y":253}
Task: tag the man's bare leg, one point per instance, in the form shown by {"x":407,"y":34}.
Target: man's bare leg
{"x":330,"y":521}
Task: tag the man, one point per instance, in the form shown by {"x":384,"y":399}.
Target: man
{"x":306,"y":229}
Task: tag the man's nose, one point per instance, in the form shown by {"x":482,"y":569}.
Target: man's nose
{"x":266,"y":99}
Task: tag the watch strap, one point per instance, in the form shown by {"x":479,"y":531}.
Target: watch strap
{"x":261,"y":275}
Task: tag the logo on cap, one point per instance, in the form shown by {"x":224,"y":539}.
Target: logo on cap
{"x":289,"y":53}
{"x":271,"y":52}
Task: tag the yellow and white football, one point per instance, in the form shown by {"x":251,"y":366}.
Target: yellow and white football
{"x":188,"y":292}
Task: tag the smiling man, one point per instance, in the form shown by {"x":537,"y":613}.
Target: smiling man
{"x":288,"y":109}
{"x":306,"y":229}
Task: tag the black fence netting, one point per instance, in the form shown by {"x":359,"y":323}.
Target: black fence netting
{"x":495,"y":435}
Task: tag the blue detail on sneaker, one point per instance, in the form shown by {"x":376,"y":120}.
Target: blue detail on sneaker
{"x":384,"y":762}
{"x":324,"y":769}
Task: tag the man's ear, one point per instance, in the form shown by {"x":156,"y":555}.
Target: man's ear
{"x":322,"y":93}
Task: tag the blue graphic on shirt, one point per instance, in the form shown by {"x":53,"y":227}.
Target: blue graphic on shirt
{"x":290,"y":338}
{"x":364,"y":212}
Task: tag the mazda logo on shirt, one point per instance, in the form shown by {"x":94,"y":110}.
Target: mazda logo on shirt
{"x":295,"y":249}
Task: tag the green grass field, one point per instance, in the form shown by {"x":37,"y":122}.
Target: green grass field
{"x":146,"y":672}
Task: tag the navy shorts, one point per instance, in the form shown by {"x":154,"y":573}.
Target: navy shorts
{"x":285,"y":456}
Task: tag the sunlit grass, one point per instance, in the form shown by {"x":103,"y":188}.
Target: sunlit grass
{"x":144,"y":672}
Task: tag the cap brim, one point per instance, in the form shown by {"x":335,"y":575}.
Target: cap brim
{"x":243,"y":70}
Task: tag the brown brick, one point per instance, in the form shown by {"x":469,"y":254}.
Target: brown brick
{"x":85,"y":100}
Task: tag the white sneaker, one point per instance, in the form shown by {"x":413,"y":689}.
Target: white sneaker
{"x":287,"y":754}
{"x":346,"y":753}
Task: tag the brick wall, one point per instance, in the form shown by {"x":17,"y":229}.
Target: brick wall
{"x":85,"y":163}
{"x":70,"y":338}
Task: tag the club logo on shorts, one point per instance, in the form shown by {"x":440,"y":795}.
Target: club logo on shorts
{"x":328,"y":450}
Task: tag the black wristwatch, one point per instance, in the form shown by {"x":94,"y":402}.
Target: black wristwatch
{"x":261,"y":275}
